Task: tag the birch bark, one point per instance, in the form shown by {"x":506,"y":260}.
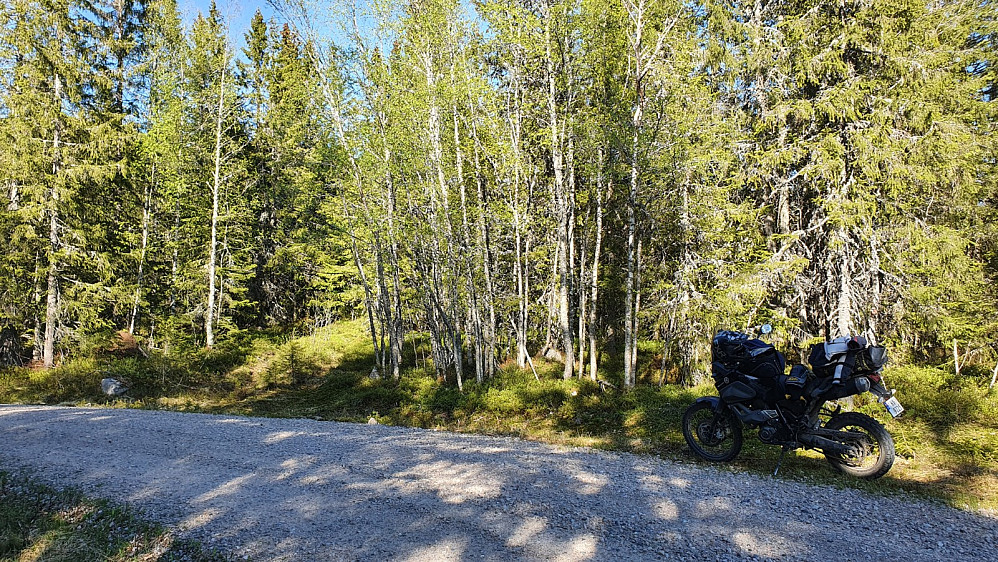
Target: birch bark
{"x":216,"y":188}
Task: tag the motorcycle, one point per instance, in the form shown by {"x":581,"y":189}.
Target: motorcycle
{"x":790,"y":410}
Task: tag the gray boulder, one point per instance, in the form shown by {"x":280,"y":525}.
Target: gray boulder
{"x":113,"y":387}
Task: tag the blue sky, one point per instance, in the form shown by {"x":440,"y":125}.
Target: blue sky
{"x":239,"y":13}
{"x":236,"y":13}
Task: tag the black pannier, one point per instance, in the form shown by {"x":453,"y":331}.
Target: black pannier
{"x":794,"y":383}
{"x":842,"y":357}
{"x":821,"y":363}
{"x":753,"y":357}
{"x":871,"y":359}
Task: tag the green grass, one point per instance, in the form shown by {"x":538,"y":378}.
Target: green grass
{"x":947,"y":442}
{"x":42,"y":523}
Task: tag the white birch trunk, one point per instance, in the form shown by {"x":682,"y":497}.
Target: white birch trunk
{"x":489,"y":332}
{"x":216,"y":188}
{"x":594,"y":278}
{"x":642,"y":57}
{"x":634,"y":318}
{"x":843,"y":309}
{"x":564,"y":214}
{"x":436,"y":157}
{"x":146,"y":216}
{"x":629,"y":312}
{"x":521,"y":293}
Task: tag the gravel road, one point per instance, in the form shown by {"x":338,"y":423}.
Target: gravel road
{"x":278,"y":489}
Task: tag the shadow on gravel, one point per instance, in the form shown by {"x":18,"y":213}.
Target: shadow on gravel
{"x":302,"y":490}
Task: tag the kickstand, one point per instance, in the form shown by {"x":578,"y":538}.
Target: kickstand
{"x":780,"y":461}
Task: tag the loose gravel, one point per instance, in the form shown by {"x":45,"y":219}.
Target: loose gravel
{"x":282,"y":489}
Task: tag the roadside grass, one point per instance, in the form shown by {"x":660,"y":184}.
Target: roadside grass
{"x":38,"y":522}
{"x":947,"y":441}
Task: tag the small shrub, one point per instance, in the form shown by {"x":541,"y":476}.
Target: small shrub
{"x":503,"y":401}
{"x":74,"y":380}
{"x":938,"y":396}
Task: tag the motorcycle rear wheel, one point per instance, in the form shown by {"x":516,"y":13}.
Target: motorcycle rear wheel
{"x":716,"y":437}
{"x":874,"y":446}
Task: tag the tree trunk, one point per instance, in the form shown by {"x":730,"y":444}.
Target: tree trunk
{"x":642,"y":59}
{"x":468,"y":257}
{"x":216,"y":188}
{"x":583,"y":311}
{"x":956,"y":358}
{"x":485,"y":242}
{"x":396,"y":334}
{"x":52,"y":276}
{"x":39,"y":342}
{"x":552,"y":297}
{"x":146,"y":217}
{"x":334,"y":102}
{"x":873,"y":317}
{"x":594,"y":284}
{"x":521,"y":292}
{"x":450,"y":288}
{"x":634,"y":318}
{"x":52,"y":297}
{"x":563,"y":211}
{"x":843,"y":309}
{"x":629,"y":294}
{"x":521,"y":249}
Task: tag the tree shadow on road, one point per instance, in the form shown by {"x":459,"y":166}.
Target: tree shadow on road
{"x":303,"y":490}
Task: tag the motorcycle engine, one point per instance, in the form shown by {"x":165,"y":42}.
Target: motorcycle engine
{"x":773,"y":433}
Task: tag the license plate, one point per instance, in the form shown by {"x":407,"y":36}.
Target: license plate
{"x":894,"y":408}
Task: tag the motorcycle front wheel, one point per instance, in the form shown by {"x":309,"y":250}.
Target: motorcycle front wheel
{"x":873,"y":446}
{"x":714,"y":436}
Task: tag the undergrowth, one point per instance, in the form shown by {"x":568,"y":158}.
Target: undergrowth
{"x":947,"y":441}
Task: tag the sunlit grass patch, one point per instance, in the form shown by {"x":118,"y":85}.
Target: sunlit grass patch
{"x":38,"y":523}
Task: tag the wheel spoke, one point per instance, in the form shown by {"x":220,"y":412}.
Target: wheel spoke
{"x":713,"y":436}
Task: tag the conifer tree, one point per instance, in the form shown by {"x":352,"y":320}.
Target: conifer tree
{"x":62,"y":142}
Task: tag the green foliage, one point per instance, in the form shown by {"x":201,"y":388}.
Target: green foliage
{"x":291,"y":366}
{"x":825,"y":168}
{"x":942,"y":399}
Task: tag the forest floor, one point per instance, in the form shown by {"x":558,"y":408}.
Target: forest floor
{"x":297,"y":489}
{"x":947,"y":441}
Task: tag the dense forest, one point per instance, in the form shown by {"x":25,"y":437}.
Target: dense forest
{"x":506,"y":180}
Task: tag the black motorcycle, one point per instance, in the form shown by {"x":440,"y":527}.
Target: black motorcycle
{"x":790,"y":409}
